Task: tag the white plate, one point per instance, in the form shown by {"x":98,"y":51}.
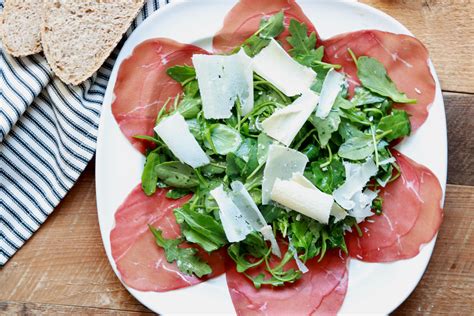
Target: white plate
{"x":373,"y":287}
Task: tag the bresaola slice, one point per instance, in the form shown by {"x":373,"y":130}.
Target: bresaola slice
{"x":322,"y":288}
{"x":244,"y":18}
{"x":404,"y":57}
{"x":143,"y":86}
{"x":332,"y":302}
{"x":141,"y":263}
{"x":411,"y":217}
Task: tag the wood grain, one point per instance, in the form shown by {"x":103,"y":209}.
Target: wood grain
{"x":446,"y":27}
{"x":460,"y":123}
{"x":21,"y":308}
{"x":63,"y":268}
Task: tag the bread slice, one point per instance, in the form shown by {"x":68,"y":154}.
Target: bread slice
{"x":78,"y":36}
{"x":20,"y":27}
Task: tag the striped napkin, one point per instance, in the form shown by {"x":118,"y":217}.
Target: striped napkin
{"x":48,"y":134}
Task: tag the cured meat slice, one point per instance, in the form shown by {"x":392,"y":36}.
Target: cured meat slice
{"x":412,"y":214}
{"x":384,"y":230}
{"x":244,"y":20}
{"x":143,"y":86}
{"x":324,"y":284}
{"x":141,"y":263}
{"x":332,"y":302}
{"x":404,"y":57}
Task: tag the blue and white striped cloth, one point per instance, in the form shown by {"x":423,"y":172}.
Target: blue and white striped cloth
{"x":48,"y":134}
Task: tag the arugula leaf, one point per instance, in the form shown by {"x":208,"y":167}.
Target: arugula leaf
{"x":149,"y":138}
{"x":348,"y":130}
{"x":311,"y":151}
{"x":272,"y":27}
{"x":269,"y":28}
{"x":186,"y":258}
{"x":251,"y":164}
{"x":357,"y":147}
{"x":301,"y":42}
{"x":279,"y":276}
{"x":243,"y":151}
{"x":326,"y":126}
{"x":149,"y":174}
{"x":397,"y":123}
{"x":199,"y":228}
{"x":181,"y":74}
{"x":213,"y":168}
{"x":355,"y":115}
{"x":328,"y":178}
{"x":305,"y":52}
{"x":224,"y":139}
{"x":313,"y":60}
{"x":384,"y":175}
{"x":335,"y":233}
{"x":191,"y":88}
{"x":195,"y":128}
{"x":254,"y":45}
{"x":377,"y":205}
{"x":384,"y":152}
{"x":177,"y":174}
{"x":189,"y":107}
{"x":364,"y":96}
{"x":321,"y":73}
{"x":272,"y":212}
{"x":235,"y":165}
{"x":242,"y":264}
{"x":373,"y":76}
{"x":342,"y":103}
{"x":303,"y":238}
{"x":176,"y":194}
{"x":263,"y":144}
{"x":289,"y":276}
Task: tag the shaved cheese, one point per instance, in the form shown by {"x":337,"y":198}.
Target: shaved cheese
{"x":331,"y":87}
{"x":362,"y":205}
{"x":350,"y":195}
{"x":338,"y":212}
{"x":301,"y":180}
{"x":174,"y":131}
{"x":223,"y":79}
{"x":240,"y":215}
{"x":357,"y":176}
{"x":248,"y":208}
{"x":251,"y":213}
{"x":275,"y":65}
{"x":387,"y":161}
{"x":281,"y":163}
{"x":235,"y":226}
{"x":285,"y":123}
{"x":300,"y":195}
{"x":301,"y":266}
{"x":267,"y":233}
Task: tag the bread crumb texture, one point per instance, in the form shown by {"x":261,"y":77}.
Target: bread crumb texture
{"x":20,"y":27}
{"x":78,"y":36}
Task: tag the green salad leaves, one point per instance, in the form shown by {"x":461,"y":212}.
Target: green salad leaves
{"x":185,"y":258}
{"x":359,"y":126}
{"x":373,"y":76}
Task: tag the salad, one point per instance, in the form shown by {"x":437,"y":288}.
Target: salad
{"x":280,"y":157}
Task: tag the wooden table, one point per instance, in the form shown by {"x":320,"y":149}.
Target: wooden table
{"x":63,"y":268}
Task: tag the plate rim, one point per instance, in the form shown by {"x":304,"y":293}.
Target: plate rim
{"x":176,"y":4}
